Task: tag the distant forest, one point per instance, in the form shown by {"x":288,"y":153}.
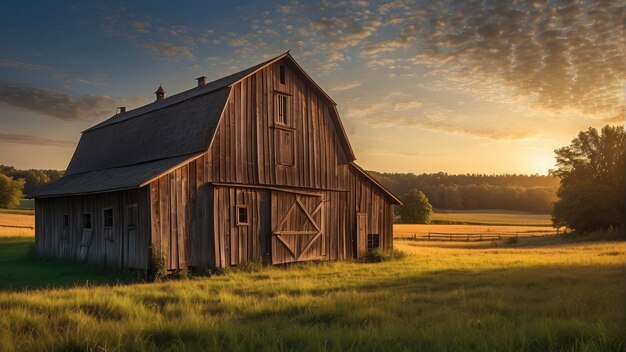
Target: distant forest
{"x":532,"y":193}
{"x":33,"y":178}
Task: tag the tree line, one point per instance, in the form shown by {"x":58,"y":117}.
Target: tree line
{"x":532,"y":193}
{"x":14,"y":183}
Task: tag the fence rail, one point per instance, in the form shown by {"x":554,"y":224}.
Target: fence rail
{"x":446,"y":236}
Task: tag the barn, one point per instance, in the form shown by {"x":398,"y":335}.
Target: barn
{"x":254,"y":166}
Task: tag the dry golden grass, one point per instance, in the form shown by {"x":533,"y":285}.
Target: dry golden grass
{"x":492,"y":216}
{"x":16,"y":232}
{"x":16,"y":220}
{"x":550,"y":297}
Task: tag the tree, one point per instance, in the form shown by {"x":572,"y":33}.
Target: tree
{"x":416,"y":208}
{"x":10,"y":191}
{"x":591,"y":170}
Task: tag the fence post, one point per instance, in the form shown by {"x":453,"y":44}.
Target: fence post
{"x":429,"y":236}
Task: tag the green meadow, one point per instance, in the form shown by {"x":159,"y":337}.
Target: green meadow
{"x":536,"y":295}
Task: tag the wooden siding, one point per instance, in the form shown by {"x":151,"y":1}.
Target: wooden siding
{"x":115,"y":251}
{"x":190,"y":213}
{"x":250,"y":147}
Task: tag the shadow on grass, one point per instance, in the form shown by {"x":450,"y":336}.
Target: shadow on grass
{"x":23,"y":270}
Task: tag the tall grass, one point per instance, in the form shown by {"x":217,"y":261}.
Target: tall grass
{"x":556,"y":297}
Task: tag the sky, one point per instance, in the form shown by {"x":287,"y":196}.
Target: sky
{"x":421,"y":86}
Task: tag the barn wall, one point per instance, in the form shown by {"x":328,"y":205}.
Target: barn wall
{"x":114,"y":251}
{"x":367,"y":198}
{"x":249,"y":144}
{"x":192,"y":208}
{"x":181,"y":208}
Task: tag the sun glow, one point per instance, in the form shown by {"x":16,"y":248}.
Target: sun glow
{"x":540,"y":164}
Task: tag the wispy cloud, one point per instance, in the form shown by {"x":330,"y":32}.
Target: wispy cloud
{"x":54,"y":104}
{"x":412,"y":114}
{"x":34,"y":140}
{"x":565,"y":55}
{"x":345,"y":86}
{"x":61,"y":75}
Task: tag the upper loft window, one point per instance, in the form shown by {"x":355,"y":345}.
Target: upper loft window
{"x":282,"y":74}
{"x":107,"y":216}
{"x":282,"y":109}
{"x":87,"y":221}
{"x":242,"y":215}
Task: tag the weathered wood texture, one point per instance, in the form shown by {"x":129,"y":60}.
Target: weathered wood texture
{"x":196,"y":204}
{"x":250,"y":147}
{"x":122,"y":248}
{"x":301,"y":194}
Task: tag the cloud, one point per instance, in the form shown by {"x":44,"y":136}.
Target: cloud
{"x":564,"y":55}
{"x":406,"y":105}
{"x":54,"y":104}
{"x":168,"y":50}
{"x":56,"y":73}
{"x":34,"y":140}
{"x":171,"y":42}
{"x":346,"y":86}
{"x":435,"y":118}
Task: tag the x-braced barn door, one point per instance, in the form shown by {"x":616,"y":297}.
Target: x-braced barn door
{"x":297,"y":227}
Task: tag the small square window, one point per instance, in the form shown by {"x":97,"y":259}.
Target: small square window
{"x":242,"y":215}
{"x":107,"y":217}
{"x":282,"y":74}
{"x":87,"y":221}
{"x":373,"y":242}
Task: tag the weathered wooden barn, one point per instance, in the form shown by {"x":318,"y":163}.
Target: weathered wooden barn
{"x":252,"y":166}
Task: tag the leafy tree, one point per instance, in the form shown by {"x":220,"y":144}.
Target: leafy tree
{"x":591,"y":169}
{"x":416,"y":208}
{"x":10,"y":191}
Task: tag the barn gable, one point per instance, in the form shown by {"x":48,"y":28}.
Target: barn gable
{"x":183,"y":124}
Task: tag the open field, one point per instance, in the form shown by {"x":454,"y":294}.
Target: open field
{"x":543,"y":294}
{"x":490,"y":217}
{"x":408,"y":230}
{"x":16,"y":219}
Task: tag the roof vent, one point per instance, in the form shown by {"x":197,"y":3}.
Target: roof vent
{"x":120,"y":110}
{"x":201,"y":81}
{"x":160,"y":93}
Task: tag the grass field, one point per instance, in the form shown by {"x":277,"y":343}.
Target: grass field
{"x":490,"y":217}
{"x":543,"y":294}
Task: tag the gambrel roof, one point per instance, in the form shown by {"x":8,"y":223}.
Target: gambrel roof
{"x":132,"y":147}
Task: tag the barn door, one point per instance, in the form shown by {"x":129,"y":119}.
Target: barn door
{"x":361,"y":234}
{"x":297,"y":227}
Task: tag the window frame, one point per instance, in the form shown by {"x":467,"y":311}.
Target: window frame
{"x":104,"y":218}
{"x":282,"y":75}
{"x":66,"y":221}
{"x":65,"y":231}
{"x":373,"y":238}
{"x":282,"y":119}
{"x":238,"y":208}
{"x":136,"y":215}
{"x":90,"y":221}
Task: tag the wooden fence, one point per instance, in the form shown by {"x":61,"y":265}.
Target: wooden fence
{"x":445,"y":236}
